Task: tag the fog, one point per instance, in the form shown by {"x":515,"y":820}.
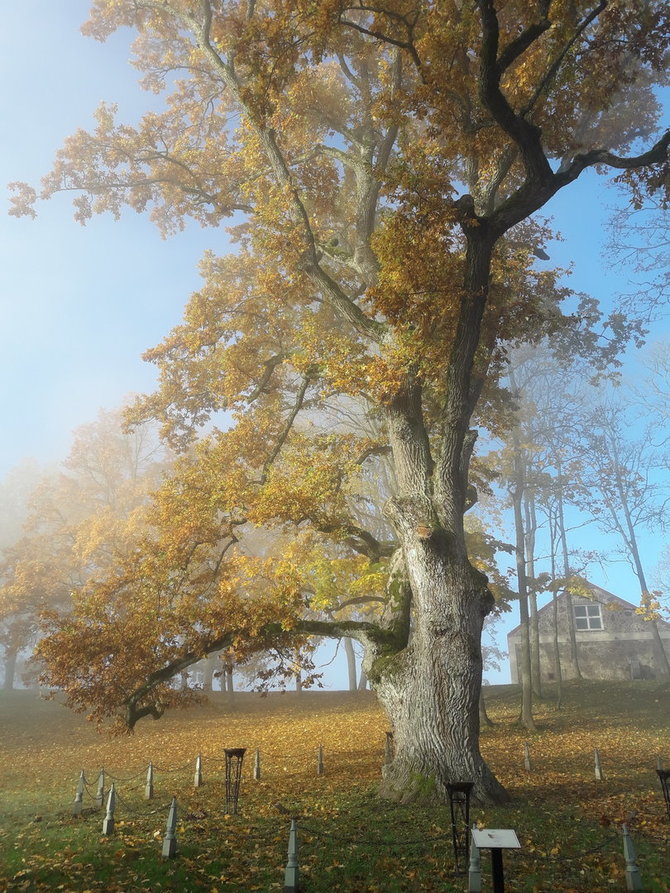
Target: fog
{"x":79,"y":306}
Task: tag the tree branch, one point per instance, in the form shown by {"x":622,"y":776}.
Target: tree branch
{"x":658,"y":154}
{"x":136,"y":711}
{"x":558,"y":61}
{"x":520,"y":44}
{"x":270,"y":366}
{"x":365,"y":325}
{"x":281,"y":440}
{"x":523,"y":133}
{"x":362,"y":631}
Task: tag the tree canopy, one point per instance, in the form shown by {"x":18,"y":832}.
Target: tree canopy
{"x":378,"y":168}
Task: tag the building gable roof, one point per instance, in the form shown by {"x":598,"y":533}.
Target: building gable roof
{"x":600,"y":595}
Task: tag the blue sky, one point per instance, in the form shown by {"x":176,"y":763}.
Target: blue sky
{"x":79,"y":305}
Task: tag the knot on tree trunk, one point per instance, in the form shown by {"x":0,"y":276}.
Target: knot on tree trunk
{"x":413,"y":516}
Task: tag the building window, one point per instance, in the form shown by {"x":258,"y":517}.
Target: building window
{"x":588,"y":617}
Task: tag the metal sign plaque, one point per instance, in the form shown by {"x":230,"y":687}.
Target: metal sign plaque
{"x":495,"y":838}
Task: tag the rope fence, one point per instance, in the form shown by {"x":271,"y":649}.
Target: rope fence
{"x":109,"y":795}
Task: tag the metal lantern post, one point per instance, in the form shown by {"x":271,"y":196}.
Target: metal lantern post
{"x":234,"y":757}
{"x":664,"y":778}
{"x":459,"y":806}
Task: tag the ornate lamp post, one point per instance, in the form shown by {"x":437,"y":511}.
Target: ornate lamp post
{"x":664,"y":778}
{"x":234,"y":757}
{"x":459,"y":806}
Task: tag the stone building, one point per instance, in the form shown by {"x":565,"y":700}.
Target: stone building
{"x":613,"y":642}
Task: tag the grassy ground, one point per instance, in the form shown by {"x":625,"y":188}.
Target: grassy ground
{"x":568,"y":823}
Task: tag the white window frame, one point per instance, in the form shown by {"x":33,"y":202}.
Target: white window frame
{"x":591,"y":614}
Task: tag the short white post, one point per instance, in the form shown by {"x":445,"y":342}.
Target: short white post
{"x":291,"y":873}
{"x":149,"y":787}
{"x":78,"y":804}
{"x":197,"y":781}
{"x":100,"y":793}
{"x":475,"y":868}
{"x":108,"y":822}
{"x":319,"y":760}
{"x":633,"y":878}
{"x":257,"y":765}
{"x":598,"y":765}
{"x":526,"y":757}
{"x":170,"y":838}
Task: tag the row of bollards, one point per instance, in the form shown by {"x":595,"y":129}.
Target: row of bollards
{"x":169,"y":850}
{"x":473,"y":857}
{"x":466,"y":851}
{"x":233,"y":760}
{"x":597,"y":762}
{"x":233,"y":774}
{"x":170,"y":836}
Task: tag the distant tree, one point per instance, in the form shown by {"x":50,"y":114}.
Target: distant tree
{"x":78,"y":521}
{"x":641,"y":243}
{"x":549,"y":395}
{"x":622,"y":492}
{"x":15,"y":625}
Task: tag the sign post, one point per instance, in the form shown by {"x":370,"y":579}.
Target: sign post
{"x":496,"y":840}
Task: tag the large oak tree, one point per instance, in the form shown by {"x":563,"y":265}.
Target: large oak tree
{"x":380,"y":165}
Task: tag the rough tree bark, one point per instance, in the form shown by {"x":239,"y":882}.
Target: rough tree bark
{"x":484,"y":718}
{"x":430,"y":688}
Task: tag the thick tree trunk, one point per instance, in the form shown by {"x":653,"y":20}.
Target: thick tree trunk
{"x":430,"y":682}
{"x":351,"y":662}
{"x":362,"y":680}
{"x":227,"y":679}
{"x":431,"y":688}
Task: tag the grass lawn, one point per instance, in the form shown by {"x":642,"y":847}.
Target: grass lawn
{"x":569,"y":824}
